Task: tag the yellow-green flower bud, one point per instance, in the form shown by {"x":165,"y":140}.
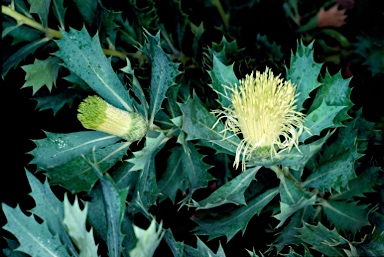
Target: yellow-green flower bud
{"x":97,"y":114}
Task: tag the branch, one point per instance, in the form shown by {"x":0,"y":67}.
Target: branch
{"x":51,"y":33}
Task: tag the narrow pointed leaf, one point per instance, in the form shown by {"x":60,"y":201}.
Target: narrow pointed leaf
{"x":35,"y":239}
{"x":346,"y":216}
{"x":364,"y":183}
{"x":322,"y":239}
{"x":59,"y":11}
{"x":84,"y":56}
{"x":231,"y":192}
{"x":20,"y":54}
{"x":237,"y":220}
{"x":58,"y":149}
{"x":174,"y":177}
{"x":287,"y":210}
{"x":77,"y":176}
{"x":320,"y":119}
{"x":144,"y":161}
{"x":87,"y":9}
{"x":163,"y":74}
{"x":114,"y":207}
{"x":49,"y":209}
{"x":143,"y":107}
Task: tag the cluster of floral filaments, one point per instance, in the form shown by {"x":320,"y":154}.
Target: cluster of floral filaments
{"x":263,"y":111}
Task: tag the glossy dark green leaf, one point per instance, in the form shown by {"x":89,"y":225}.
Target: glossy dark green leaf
{"x":231,"y":192}
{"x":35,"y":239}
{"x":322,"y":239}
{"x":237,"y":220}
{"x":303,"y":72}
{"x":84,"y":56}
{"x":58,"y":149}
{"x":77,"y":176}
{"x":114,"y":207}
{"x":163,"y":74}
{"x":144,"y":161}
{"x":223,"y":80}
{"x":20,"y":54}
{"x":345,"y":215}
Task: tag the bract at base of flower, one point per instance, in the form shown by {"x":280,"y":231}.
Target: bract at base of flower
{"x":97,"y":114}
{"x":263,"y":111}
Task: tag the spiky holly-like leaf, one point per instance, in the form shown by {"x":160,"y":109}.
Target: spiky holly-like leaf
{"x":147,"y":240}
{"x":74,"y":221}
{"x":20,"y":54}
{"x":322,"y":239}
{"x":114,"y":207}
{"x":56,"y":101}
{"x":198,"y":124}
{"x":231,"y":192}
{"x":364,"y":183}
{"x":202,"y":250}
{"x":41,"y":73}
{"x":288,"y":234}
{"x":346,"y":216}
{"x":375,"y":247}
{"x":237,"y":219}
{"x":336,"y":166}
{"x":77,"y":176}
{"x":320,"y":119}
{"x":97,"y":216}
{"x":84,"y":56}
{"x":287,"y":210}
{"x":35,"y":239}
{"x":223,"y":79}
{"x":144,"y":161}
{"x":303,"y":72}
{"x":163,"y":74}
{"x":371,"y":50}
{"x":49,"y":209}
{"x":58,"y":149}
{"x":331,"y":86}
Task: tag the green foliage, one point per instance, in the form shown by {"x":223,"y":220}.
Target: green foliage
{"x":177,"y":71}
{"x":83,"y":56}
{"x":41,"y":73}
{"x":303,"y":71}
{"x":74,"y":221}
{"x":371,"y":50}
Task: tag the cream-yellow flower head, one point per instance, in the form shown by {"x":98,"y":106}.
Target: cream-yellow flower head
{"x":263,"y":111}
